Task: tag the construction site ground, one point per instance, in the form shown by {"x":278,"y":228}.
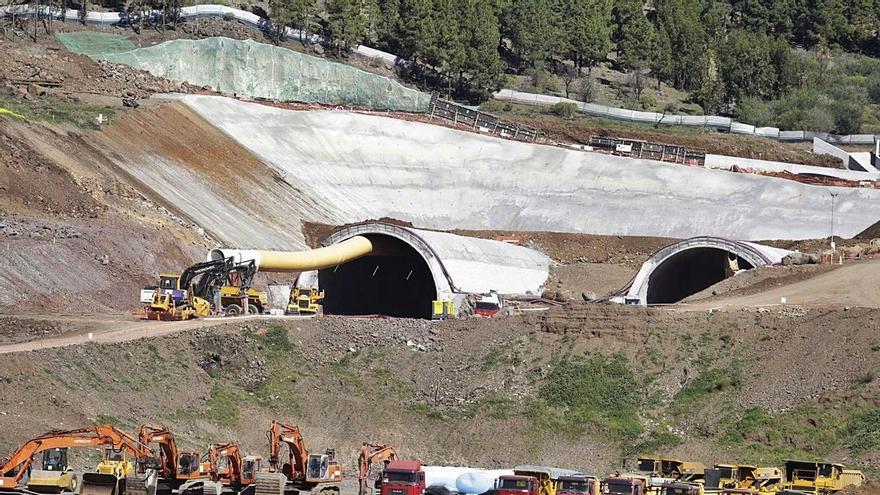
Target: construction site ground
{"x":731,"y":375}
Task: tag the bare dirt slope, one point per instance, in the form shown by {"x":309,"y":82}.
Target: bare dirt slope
{"x":74,"y":236}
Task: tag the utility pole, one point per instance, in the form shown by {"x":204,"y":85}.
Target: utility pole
{"x":833,"y":247}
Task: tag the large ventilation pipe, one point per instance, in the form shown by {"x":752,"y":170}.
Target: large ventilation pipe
{"x":299,"y":261}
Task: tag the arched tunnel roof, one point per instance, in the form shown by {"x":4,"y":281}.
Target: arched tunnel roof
{"x":459,"y":264}
{"x":752,"y":254}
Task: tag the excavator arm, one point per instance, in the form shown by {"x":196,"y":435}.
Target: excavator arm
{"x":20,"y":461}
{"x":162,"y":436}
{"x":279,"y":433}
{"x":372,"y":454}
{"x":232,"y":474}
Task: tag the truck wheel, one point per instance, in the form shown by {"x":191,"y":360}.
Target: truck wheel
{"x":72,"y":483}
{"x":253,"y":310}
{"x":233,"y":310}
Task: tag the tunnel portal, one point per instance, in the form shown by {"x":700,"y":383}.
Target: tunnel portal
{"x":394,"y":280}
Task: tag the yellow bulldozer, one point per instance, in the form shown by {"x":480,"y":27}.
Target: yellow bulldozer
{"x":305,"y":301}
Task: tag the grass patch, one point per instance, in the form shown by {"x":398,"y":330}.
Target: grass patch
{"x":425,"y":410}
{"x":595,"y":392}
{"x":107,"y":419}
{"x":863,"y":431}
{"x":707,"y":383}
{"x":659,"y":440}
{"x":52,"y":109}
{"x":222,"y":406}
{"x":501,"y":356}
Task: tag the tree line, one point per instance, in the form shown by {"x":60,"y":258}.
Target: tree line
{"x":719,"y":50}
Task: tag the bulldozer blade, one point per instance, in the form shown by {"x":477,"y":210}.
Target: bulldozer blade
{"x":98,"y":484}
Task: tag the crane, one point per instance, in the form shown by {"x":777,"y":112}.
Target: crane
{"x":373,"y":454}
{"x":19,"y":463}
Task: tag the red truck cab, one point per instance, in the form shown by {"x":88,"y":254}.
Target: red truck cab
{"x":403,"y":478}
{"x":624,"y":486}
{"x":516,"y":485}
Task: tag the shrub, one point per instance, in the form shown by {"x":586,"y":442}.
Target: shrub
{"x":873,"y":87}
{"x":753,"y":111}
{"x":564,"y":109}
{"x":588,"y":89}
{"x":847,"y":117}
{"x":863,"y":431}
{"x":647,"y":101}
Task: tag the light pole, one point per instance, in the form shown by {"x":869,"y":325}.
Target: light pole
{"x":833,"y":247}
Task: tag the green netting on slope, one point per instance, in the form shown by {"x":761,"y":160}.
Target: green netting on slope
{"x":91,"y":43}
{"x":267,"y":71}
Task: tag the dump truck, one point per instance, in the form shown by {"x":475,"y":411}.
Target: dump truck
{"x":625,"y":485}
{"x":305,"y":301}
{"x":516,"y":485}
{"x":578,"y":484}
{"x":812,"y":477}
{"x":547,"y":477}
{"x":14,"y":471}
{"x":402,"y":478}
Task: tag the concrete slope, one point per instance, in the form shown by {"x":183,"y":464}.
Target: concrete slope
{"x":364,"y":166}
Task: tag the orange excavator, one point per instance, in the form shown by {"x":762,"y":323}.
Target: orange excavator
{"x":302,"y":471}
{"x":230,"y":468}
{"x":373,"y":454}
{"x":18,"y":466}
{"x":174,"y":467}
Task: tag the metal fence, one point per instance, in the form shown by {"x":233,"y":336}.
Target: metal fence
{"x":479,"y":121}
{"x":634,"y":148}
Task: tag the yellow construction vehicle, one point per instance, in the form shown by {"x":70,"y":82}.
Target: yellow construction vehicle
{"x":203,"y":288}
{"x":56,"y":476}
{"x":811,"y":477}
{"x":305,"y":300}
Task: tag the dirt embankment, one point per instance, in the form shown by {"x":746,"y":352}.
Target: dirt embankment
{"x":460,"y":392}
{"x":75,"y":236}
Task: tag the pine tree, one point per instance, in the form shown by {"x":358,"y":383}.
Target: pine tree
{"x":416,"y":30}
{"x":633,"y":34}
{"x":587,"y":26}
{"x":482,"y":63}
{"x":345,"y":22}
{"x":533,"y":31}
{"x":680,"y":19}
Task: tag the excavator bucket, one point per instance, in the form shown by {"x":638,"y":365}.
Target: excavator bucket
{"x":98,"y":484}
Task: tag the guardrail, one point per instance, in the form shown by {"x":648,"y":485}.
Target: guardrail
{"x":713,"y":121}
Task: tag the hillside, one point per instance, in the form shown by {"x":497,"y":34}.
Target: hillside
{"x":580,"y":387}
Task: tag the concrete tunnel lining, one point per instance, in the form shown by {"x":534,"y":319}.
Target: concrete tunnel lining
{"x":434,"y":265}
{"x":689,"y":266}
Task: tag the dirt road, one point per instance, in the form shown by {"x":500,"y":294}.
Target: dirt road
{"x":855,"y":284}
{"x":114,"y":329}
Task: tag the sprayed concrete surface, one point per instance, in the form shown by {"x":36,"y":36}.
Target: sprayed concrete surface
{"x":363,"y":166}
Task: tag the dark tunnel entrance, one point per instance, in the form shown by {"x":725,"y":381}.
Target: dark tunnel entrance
{"x":690,"y":271}
{"x":393,"y":281}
